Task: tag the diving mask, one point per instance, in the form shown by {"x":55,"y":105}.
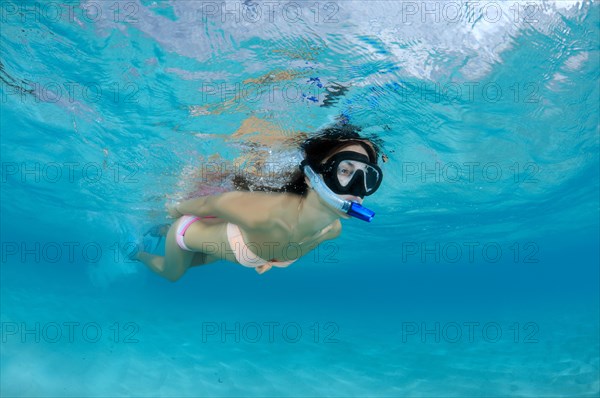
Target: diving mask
{"x":351,"y":173}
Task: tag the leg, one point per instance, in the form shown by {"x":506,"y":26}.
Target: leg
{"x":203,"y":259}
{"x":158,"y":230}
{"x":157,"y":263}
{"x":154,"y":262}
{"x":176,"y":261}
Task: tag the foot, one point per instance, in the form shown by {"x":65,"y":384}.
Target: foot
{"x":131,"y":250}
{"x":158,"y":230}
{"x":153,"y":237}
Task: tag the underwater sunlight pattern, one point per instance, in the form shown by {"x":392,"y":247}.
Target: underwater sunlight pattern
{"x":478,"y":276}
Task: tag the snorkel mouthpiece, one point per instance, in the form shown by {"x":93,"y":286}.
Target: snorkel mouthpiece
{"x":361,"y":212}
{"x":353,"y":209}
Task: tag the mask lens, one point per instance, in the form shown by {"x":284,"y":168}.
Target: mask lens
{"x":345,"y":171}
{"x":371,"y":178}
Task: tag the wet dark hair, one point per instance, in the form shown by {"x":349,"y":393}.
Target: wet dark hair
{"x":316,"y":149}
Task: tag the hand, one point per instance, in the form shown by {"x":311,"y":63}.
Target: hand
{"x":263,"y":268}
{"x":172,"y":210}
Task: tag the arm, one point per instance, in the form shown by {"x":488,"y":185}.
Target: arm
{"x":335,"y":231}
{"x":252,"y":210}
{"x":332,"y":233}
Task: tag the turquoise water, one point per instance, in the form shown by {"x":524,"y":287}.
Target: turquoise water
{"x":478,"y":276}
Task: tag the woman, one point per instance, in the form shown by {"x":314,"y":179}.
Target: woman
{"x":273,"y":229}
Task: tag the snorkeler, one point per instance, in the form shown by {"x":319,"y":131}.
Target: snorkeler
{"x":338,"y":171}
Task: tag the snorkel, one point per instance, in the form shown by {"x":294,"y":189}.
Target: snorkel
{"x":351,"y":208}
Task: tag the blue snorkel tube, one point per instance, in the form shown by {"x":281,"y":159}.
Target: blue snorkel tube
{"x":351,"y":208}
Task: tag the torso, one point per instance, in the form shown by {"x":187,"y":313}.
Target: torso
{"x":287,"y":240}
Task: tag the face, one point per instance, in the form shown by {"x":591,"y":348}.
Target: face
{"x":348,"y":167}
